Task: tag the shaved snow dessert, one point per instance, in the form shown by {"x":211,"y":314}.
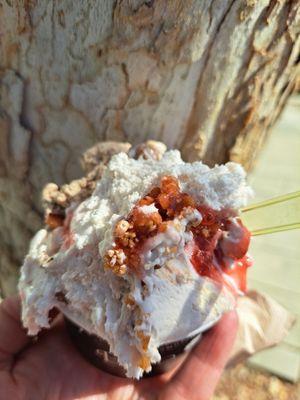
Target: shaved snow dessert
{"x":154,"y":255}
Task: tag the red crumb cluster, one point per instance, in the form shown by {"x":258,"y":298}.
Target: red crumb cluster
{"x":131,"y":233}
{"x":207,"y":251}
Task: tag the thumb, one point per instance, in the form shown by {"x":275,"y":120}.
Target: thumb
{"x":199,"y":375}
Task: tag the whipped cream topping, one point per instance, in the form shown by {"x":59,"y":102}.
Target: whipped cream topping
{"x":135,"y":314}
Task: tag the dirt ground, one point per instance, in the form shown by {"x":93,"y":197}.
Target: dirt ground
{"x":244,"y":383}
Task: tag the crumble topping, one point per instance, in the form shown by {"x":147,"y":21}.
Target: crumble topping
{"x":217,"y":244}
{"x":148,"y":217}
{"x":94,"y":162}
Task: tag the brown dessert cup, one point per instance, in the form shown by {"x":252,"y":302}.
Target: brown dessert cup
{"x":96,"y":350}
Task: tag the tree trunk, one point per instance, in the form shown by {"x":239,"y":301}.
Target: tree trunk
{"x":209,"y":77}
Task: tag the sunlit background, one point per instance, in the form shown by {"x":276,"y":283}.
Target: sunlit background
{"x":277,"y":267}
{"x":274,"y":373}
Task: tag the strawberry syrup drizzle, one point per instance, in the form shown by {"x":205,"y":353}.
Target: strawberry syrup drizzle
{"x":208,"y":256}
{"x":239,"y":272}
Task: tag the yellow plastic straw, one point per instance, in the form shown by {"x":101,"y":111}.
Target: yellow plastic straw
{"x":275,"y":215}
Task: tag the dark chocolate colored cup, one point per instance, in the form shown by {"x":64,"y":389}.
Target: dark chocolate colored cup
{"x":96,"y":351}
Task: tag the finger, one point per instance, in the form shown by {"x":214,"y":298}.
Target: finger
{"x":13,"y":337}
{"x":199,"y":375}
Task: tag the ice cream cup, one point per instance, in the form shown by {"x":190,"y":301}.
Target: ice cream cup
{"x":96,"y":350}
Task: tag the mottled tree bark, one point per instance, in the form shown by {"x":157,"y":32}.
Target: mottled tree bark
{"x":209,"y":77}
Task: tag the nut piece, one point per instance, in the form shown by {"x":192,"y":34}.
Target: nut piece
{"x":101,"y":153}
{"x":129,"y":301}
{"x":49,"y":192}
{"x":145,"y":363}
{"x":114,"y":260}
{"x":122,"y":227}
{"x":94,"y":162}
{"x":149,"y":150}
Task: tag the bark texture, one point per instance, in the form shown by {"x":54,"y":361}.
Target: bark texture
{"x":209,"y":77}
